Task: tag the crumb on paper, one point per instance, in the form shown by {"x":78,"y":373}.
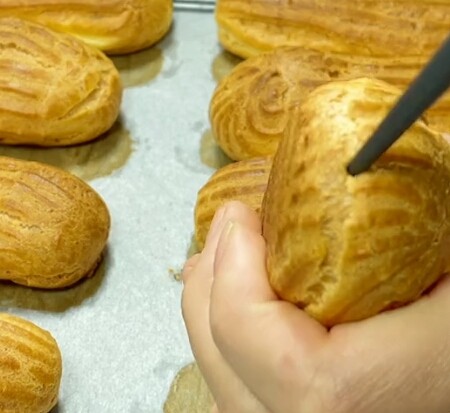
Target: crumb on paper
{"x":175,"y":274}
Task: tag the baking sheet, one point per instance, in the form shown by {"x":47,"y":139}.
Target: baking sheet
{"x":121,"y":333}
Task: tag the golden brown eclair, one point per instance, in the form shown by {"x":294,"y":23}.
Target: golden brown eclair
{"x":251,"y":106}
{"x":244,"y":181}
{"x":53,"y":226}
{"x":114,"y":26}
{"x":54,"y":89}
{"x":30,"y":367}
{"x":345,"y":248}
{"x":365,"y":28}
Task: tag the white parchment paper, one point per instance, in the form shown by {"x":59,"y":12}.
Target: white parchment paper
{"x":121,"y":333}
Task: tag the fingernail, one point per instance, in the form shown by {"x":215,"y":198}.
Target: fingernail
{"x":224,"y":242}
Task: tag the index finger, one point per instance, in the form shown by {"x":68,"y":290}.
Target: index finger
{"x":268,"y":342}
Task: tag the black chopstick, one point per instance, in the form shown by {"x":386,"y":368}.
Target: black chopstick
{"x":432,"y":82}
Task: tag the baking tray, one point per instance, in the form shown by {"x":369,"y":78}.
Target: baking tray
{"x":121,"y":333}
{"x":195,"y":5}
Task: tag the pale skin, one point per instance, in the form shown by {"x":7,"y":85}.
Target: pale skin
{"x":262,"y":355}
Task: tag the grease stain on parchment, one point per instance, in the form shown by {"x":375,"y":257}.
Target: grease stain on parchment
{"x":88,"y":161}
{"x":210,"y":153}
{"x":139,"y":68}
{"x":57,"y":301}
{"x":223,"y":64}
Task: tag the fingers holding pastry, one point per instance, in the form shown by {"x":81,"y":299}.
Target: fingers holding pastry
{"x":228,"y":390}
{"x":189,"y":266}
{"x":258,"y":335}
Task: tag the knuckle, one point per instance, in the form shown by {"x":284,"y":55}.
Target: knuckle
{"x":189,"y":266}
{"x":186,"y":298}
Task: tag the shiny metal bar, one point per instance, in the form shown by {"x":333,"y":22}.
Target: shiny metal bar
{"x":195,"y":5}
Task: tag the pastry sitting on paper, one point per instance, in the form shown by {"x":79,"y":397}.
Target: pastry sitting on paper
{"x":114,"y":26}
{"x":55,"y":90}
{"x":375,"y":28}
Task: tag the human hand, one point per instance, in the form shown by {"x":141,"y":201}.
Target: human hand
{"x":259,"y":354}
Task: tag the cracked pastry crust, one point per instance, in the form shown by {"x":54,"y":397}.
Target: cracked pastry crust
{"x":114,"y":26}
{"x":30,"y":368}
{"x":55,"y":90}
{"x":369,"y":27}
{"x":345,"y":248}
{"x":244,"y":181}
{"x":53,"y":226}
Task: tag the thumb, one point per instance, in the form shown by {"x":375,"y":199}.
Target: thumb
{"x":262,"y":338}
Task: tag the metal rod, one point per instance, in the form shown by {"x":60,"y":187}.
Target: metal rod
{"x":195,"y":5}
{"x":432,"y":82}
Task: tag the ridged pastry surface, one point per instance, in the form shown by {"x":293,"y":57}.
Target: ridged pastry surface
{"x":53,"y":226}
{"x":114,"y":26}
{"x":54,"y":89}
{"x":250,"y":108}
{"x":364,"y":27}
{"x":244,"y":181}
{"x":345,"y":248}
{"x":30,"y":367}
